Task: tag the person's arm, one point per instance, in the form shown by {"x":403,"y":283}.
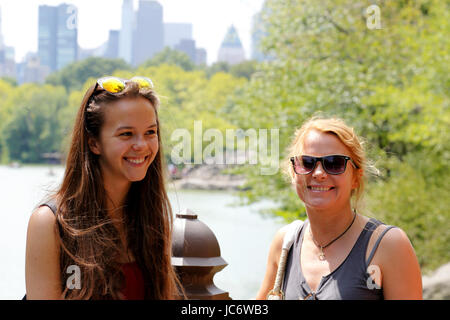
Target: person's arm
{"x":272,"y":265}
{"x":42,"y":270}
{"x":401,"y":276}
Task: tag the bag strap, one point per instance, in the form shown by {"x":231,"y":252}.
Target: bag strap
{"x":288,"y":240}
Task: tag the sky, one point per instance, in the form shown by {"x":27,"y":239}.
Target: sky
{"x":210,"y":18}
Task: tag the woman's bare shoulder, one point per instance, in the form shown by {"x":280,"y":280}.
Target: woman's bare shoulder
{"x":42,"y":228}
{"x":42,"y":217}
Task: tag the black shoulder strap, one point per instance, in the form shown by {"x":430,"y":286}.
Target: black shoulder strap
{"x":51,"y":204}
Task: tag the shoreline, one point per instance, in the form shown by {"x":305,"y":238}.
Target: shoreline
{"x":201,"y":177}
{"x":208,"y":177}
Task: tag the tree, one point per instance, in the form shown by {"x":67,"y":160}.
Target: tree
{"x":172,"y":57}
{"x":10,"y":80}
{"x":73,"y":76}
{"x":33,"y":126}
{"x":244,"y":69}
{"x":219,"y":66}
{"x":6,"y":89}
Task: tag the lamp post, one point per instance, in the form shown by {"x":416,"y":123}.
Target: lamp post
{"x":196,"y":257}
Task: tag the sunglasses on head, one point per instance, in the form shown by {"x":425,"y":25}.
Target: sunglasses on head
{"x":116,"y":85}
{"x":333,"y":164}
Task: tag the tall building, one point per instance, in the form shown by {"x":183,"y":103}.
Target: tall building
{"x":1,"y":34}
{"x":126,"y":32}
{"x":200,"y":56}
{"x":47,"y":36}
{"x":112,"y":46}
{"x":31,"y":70}
{"x":175,"y":32}
{"x":187,"y":46}
{"x":231,"y":50}
{"x":149,"y":33}
{"x":58,"y":36}
{"x":66,"y":35}
{"x":7,"y":62}
{"x":7,"y":57}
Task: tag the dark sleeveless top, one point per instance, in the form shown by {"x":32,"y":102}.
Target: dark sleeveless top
{"x":349,"y":281}
{"x":134,"y":282}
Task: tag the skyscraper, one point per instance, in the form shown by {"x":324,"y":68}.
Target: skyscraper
{"x":7,"y":59}
{"x":175,"y":32}
{"x":126,"y":32}
{"x":200,"y":56}
{"x":231,"y":50}
{"x":66,"y":35}
{"x":187,"y":46}
{"x":112,"y":46}
{"x":1,"y":34}
{"x":149,"y":33}
{"x":58,"y":36}
{"x":47,"y":36}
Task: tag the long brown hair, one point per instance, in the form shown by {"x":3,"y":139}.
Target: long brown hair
{"x":87,"y":235}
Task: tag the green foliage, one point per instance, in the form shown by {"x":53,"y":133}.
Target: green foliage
{"x":244,"y":69}
{"x":39,"y":119}
{"x":33,"y":127}
{"x":6,"y":90}
{"x":172,"y":57}
{"x":9,"y":80}
{"x":73,"y":76}
{"x":416,"y":198}
{"x":216,"y":67}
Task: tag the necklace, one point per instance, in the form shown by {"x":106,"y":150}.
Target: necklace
{"x":321,"y":254}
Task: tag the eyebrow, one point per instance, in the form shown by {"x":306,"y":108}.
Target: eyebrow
{"x":130,"y":128}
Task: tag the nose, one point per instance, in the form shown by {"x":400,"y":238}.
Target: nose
{"x":139,"y":143}
{"x":318,"y":171}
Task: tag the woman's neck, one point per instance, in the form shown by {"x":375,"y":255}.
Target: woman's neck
{"x":116,"y":194}
{"x":115,"y":200}
{"x":326,"y":225}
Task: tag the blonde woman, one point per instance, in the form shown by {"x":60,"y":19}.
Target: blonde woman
{"x":338,"y":253}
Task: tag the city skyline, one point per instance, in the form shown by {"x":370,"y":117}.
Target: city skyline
{"x":208,"y":30}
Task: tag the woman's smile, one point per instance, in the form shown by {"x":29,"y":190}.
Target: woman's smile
{"x":316,"y":188}
{"x":136,"y":161}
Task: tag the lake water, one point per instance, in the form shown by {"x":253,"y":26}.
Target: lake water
{"x":243,"y":233}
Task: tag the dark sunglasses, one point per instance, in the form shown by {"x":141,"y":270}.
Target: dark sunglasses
{"x":333,"y":164}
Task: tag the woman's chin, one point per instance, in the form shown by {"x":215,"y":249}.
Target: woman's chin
{"x":319,"y":204}
{"x":136,"y":178}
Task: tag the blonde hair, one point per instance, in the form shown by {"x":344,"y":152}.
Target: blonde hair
{"x":348,"y":137}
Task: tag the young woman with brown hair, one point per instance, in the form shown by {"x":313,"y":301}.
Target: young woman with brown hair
{"x":112,"y":218}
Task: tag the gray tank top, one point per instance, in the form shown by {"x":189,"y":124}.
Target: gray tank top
{"x":349,"y":281}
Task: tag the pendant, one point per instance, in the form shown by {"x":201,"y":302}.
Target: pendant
{"x":321,"y":255}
